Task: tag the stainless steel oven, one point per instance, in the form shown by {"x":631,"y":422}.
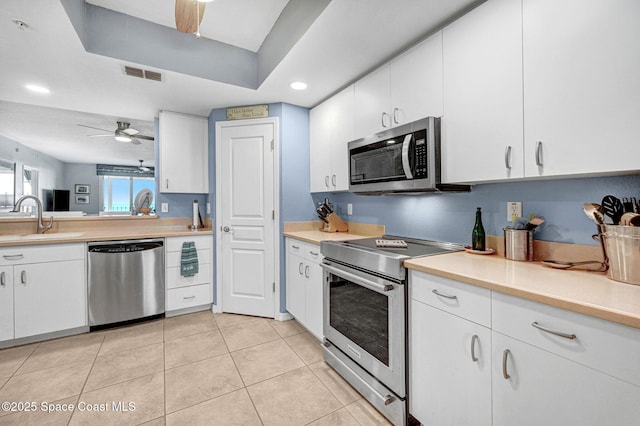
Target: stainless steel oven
{"x":365,"y":316}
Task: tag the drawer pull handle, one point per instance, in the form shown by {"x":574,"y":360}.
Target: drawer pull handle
{"x":555,"y":333}
{"x":188,"y":297}
{"x":13,"y":256}
{"x":313,"y":253}
{"x":295,"y":247}
{"x":474,"y":340}
{"x":3,"y":279}
{"x":447,"y":296}
{"x":505,"y":357}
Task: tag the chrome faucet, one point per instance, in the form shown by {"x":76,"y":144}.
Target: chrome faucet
{"x":41,"y":227}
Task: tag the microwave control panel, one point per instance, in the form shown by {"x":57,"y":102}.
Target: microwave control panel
{"x":421,"y":160}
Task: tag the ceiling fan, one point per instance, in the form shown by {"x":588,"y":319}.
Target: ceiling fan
{"x":123,"y":133}
{"x":143,"y":168}
{"x":189,"y":15}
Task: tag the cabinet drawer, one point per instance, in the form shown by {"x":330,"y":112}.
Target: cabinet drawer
{"x":464,"y":300}
{"x":173,"y":258}
{"x":306,"y":250}
{"x":45,"y":253}
{"x":175,"y":280}
{"x":202,"y":242}
{"x":602,"y":345}
{"x":187,"y":297}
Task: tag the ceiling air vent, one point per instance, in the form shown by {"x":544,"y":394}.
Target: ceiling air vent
{"x":140,"y":73}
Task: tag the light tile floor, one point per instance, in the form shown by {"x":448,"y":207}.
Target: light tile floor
{"x":201,"y":368}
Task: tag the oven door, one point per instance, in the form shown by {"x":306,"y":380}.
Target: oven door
{"x":364,"y":317}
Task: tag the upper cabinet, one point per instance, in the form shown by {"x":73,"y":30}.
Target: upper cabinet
{"x":482,"y":124}
{"x":581,"y":91}
{"x":184,"y":158}
{"x":406,"y":89}
{"x":331,"y":129}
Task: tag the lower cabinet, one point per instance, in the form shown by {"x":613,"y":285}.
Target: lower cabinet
{"x":190,"y":291}
{"x":304,"y":285}
{"x":526,"y":364}
{"x":42,"y":290}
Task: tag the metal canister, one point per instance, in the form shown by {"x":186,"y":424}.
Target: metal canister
{"x":518,"y":244}
{"x":622,"y":245}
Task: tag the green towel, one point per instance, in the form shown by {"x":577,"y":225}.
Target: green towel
{"x":189,"y":259}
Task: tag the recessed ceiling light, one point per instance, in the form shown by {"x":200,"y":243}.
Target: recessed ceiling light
{"x":37,"y":89}
{"x":298,"y":85}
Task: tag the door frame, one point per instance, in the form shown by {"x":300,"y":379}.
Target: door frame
{"x":220,"y":125}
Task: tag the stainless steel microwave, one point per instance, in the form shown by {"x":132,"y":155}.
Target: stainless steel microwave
{"x":405,"y":159}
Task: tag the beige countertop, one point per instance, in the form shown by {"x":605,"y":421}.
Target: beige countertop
{"x":590,"y":293}
{"x":311,"y":233}
{"x":70,"y":230}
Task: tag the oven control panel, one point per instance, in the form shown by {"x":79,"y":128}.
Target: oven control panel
{"x":391,"y":243}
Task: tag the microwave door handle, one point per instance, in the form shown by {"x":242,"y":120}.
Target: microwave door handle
{"x":405,"y":156}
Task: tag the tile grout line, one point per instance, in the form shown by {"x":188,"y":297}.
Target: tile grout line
{"x":86,"y":379}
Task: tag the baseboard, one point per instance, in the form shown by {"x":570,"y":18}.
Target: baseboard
{"x":216,"y":309}
{"x":283,"y":316}
{"x":187,"y":310}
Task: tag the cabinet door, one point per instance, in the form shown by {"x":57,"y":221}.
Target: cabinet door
{"x":342,"y":132}
{"x":6,"y":303}
{"x":320,"y":122}
{"x":482,"y":126}
{"x":184,"y":155}
{"x":313,"y":299}
{"x":582,"y":97}
{"x":446,"y":386}
{"x":416,"y":82}
{"x":49,"y":297}
{"x":372,"y":103}
{"x":545,"y":389}
{"x":296,"y":299}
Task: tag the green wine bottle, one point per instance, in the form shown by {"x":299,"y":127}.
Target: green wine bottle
{"x":477,"y":236}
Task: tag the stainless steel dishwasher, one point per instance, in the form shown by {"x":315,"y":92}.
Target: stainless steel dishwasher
{"x":126,"y":281}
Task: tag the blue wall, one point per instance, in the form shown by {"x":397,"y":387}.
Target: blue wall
{"x":450,"y":216}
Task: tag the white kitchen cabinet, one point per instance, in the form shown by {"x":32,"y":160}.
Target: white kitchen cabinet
{"x":304,"y":285}
{"x":405,"y":89}
{"x":331,"y":129}
{"x":48,"y":289}
{"x":449,"y":353}
{"x":6,"y":303}
{"x":195,"y":291}
{"x":482,"y":125}
{"x":183,"y":151}
{"x":581,"y":91}
{"x":543,"y":388}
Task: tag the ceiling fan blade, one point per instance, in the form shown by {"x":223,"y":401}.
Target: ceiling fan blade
{"x":135,"y":141}
{"x":100,"y":136}
{"x":129,"y":131}
{"x":147,"y":138}
{"x":187,"y":15}
{"x":96,"y":128}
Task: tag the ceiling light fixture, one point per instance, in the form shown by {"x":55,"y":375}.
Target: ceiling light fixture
{"x":123,"y":138}
{"x":20,"y":23}
{"x":37,"y":89}
{"x":298,"y":85}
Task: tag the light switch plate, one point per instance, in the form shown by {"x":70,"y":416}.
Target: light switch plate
{"x":164,"y":207}
{"x":349,"y":209}
{"x":208,"y":208}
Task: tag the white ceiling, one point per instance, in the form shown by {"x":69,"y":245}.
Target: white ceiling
{"x":347,"y":40}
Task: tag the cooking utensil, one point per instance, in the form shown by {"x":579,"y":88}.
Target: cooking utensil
{"x":592,"y":211}
{"x":627,"y":205}
{"x":534,"y":223}
{"x":636,"y":207}
{"x":559,"y":264}
{"x":613,"y":208}
{"x":630,"y":219}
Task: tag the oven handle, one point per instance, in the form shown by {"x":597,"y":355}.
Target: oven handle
{"x":406,"y":166}
{"x":380,"y":288}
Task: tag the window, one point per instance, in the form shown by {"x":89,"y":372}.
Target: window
{"x":120,"y":191}
{"x":29,"y":181}
{"x":7,"y":185}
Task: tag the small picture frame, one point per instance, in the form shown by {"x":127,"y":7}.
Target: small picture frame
{"x":83,"y":188}
{"x":82,"y":199}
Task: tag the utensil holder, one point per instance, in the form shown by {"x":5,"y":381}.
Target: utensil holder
{"x":518,"y":244}
{"x":621,"y":246}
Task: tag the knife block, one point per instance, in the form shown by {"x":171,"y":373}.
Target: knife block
{"x":334,"y":224}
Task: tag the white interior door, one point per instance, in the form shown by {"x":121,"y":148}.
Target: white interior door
{"x":245,"y":182}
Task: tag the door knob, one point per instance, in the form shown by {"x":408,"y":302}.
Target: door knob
{"x":226,"y":229}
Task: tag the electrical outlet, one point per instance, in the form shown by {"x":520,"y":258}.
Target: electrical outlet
{"x":208,"y":208}
{"x":514,"y":210}
{"x":164,"y":208}
{"x":349,"y":209}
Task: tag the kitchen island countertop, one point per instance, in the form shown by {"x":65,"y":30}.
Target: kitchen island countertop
{"x":590,"y":293}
